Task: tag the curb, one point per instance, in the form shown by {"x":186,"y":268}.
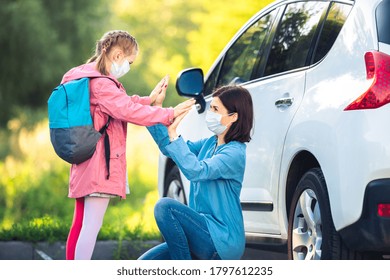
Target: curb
{"x":104,"y":250}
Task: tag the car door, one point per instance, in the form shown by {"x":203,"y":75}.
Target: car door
{"x":236,"y":64}
{"x":239,"y":61}
{"x":277,"y":95}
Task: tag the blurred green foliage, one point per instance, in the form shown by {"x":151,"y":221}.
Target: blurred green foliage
{"x":178,"y":34}
{"x":34,"y":188}
{"x":40,"y":40}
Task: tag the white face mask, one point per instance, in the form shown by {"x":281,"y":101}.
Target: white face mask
{"x":119,"y":70}
{"x":213,"y":121}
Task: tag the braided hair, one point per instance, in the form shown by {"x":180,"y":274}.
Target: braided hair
{"x":111,"y":39}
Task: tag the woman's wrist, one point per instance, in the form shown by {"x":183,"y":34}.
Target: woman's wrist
{"x":173,"y":136}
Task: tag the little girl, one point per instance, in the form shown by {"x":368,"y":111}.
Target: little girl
{"x":89,"y":183}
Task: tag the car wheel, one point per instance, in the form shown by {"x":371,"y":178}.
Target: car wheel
{"x":311,"y":231}
{"x":173,"y":186}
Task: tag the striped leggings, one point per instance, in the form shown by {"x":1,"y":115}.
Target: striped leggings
{"x":87,"y":221}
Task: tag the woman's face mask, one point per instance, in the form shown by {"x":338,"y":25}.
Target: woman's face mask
{"x":119,"y":70}
{"x":213,"y":121}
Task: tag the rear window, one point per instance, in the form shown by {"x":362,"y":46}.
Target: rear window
{"x":294,"y":36}
{"x":383,"y":21}
{"x":335,"y":20}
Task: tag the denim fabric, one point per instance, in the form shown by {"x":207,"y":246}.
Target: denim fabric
{"x":185,"y":232}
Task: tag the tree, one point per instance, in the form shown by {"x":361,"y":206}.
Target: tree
{"x":178,"y":34}
{"x":40,"y":40}
{"x":217,"y":23}
{"x":161,"y":28}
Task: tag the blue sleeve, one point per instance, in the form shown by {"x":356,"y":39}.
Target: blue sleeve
{"x":159,"y":133}
{"x":195,"y":147}
{"x":229,"y":163}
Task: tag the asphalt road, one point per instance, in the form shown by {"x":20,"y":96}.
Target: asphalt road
{"x":108,"y":250}
{"x":125,"y":250}
{"x":263,"y":252}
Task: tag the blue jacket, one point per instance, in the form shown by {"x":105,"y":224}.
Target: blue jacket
{"x":216,"y":175}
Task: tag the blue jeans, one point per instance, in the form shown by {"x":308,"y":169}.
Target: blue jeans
{"x":185,"y":233}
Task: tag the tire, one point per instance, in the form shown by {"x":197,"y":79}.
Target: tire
{"x":173,"y":186}
{"x":311,"y":233}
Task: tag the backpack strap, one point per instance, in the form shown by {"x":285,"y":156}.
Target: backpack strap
{"x":117,"y":83}
{"x":103,"y":130}
{"x":106,"y":146}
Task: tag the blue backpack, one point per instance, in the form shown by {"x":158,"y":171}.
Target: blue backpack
{"x":72,"y":133}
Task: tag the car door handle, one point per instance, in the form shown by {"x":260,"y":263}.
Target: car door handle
{"x":284,"y":102}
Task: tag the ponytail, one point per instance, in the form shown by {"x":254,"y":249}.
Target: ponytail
{"x":98,"y":50}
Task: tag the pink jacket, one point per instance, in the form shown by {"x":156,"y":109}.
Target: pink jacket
{"x":108,"y":100}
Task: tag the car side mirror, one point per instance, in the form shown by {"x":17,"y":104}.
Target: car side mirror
{"x":189,"y":83}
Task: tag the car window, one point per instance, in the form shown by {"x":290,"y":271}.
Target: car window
{"x":335,"y":19}
{"x":212,"y":80}
{"x":383,"y":21}
{"x":243,"y":55}
{"x":294,"y":36}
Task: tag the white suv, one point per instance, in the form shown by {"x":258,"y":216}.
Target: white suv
{"x":317,"y":178}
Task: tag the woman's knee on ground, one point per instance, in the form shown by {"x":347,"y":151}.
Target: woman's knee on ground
{"x":163,"y":208}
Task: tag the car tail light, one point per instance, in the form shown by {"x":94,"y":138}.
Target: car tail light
{"x":384,"y":210}
{"x":378,"y":69}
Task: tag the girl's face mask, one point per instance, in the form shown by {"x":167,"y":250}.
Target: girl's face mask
{"x":213,"y":121}
{"x":119,"y":70}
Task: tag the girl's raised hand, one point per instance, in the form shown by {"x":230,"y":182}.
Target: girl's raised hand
{"x":161,"y":96}
{"x":160,"y":88}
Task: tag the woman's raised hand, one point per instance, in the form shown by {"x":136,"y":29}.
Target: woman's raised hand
{"x":179,"y":113}
{"x":181,"y":110}
{"x":172,"y":128}
{"x":183,"y":107}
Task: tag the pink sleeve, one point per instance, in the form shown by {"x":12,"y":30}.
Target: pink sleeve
{"x":116,"y":103}
{"x":144,"y":100}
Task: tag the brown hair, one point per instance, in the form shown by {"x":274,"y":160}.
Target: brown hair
{"x":237,"y":99}
{"x":110,"y":39}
